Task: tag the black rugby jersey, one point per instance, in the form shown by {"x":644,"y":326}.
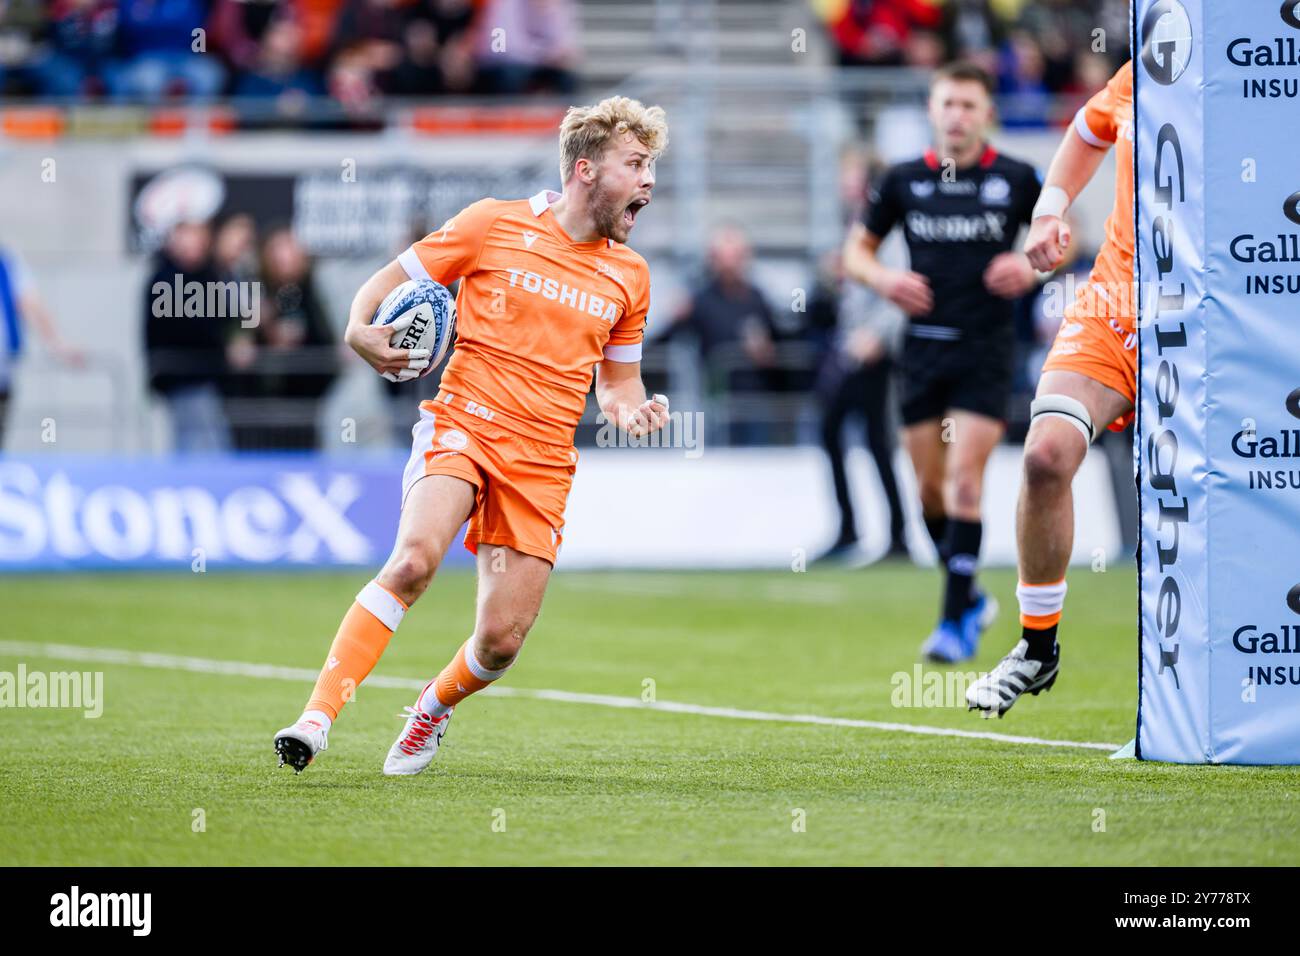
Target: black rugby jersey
{"x":953,"y":230}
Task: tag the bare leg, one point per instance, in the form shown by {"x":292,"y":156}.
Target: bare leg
{"x":974,"y":438}
{"x":1054,"y":450}
{"x":511,"y":585}
{"x":925,"y":446}
{"x":434,"y":511}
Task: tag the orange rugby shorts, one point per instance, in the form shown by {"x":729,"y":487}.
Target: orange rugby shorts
{"x":522,"y":485}
{"x":1094,"y":340}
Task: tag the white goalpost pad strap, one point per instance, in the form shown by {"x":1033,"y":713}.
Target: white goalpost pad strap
{"x":1070,"y":409}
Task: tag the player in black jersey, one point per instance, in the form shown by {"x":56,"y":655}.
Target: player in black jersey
{"x":961,"y":206}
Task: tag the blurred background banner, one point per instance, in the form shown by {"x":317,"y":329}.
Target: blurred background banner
{"x":750,"y":508}
{"x":276,"y":154}
{"x":229,"y":511}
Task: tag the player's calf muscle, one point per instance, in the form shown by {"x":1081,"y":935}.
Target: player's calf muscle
{"x":962,"y":492}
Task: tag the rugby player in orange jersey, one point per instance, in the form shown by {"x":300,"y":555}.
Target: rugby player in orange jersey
{"x":548,"y":293}
{"x":1089,"y":379}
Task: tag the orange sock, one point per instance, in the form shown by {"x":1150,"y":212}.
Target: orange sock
{"x":463,"y":676}
{"x":361,"y":640}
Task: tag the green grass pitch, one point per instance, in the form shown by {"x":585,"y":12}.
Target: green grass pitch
{"x":534,"y":781}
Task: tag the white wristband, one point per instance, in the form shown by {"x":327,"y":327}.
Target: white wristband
{"x":1052,"y":201}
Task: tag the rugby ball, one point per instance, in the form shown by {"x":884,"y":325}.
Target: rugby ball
{"x":422,"y":314}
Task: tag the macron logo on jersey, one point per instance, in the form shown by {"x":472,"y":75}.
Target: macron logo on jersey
{"x":574,"y":298}
{"x":529,"y":239}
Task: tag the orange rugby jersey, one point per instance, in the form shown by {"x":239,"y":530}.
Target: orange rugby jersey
{"x":535,"y":312}
{"x":1107,"y":119}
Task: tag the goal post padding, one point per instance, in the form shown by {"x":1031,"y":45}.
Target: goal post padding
{"x":1218,"y":429}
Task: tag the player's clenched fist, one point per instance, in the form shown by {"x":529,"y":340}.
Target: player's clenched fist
{"x":910,"y":291}
{"x":1049,"y":237}
{"x":650,"y":416}
{"x":1009,"y":275}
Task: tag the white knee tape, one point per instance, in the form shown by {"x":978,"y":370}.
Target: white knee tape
{"x":1063,"y":406}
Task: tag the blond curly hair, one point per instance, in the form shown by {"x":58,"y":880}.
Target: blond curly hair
{"x":587,"y":131}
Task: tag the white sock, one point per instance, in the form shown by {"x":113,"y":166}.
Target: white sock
{"x":429,"y":702}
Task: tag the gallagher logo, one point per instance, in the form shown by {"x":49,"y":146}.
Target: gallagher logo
{"x":1291,"y":208}
{"x":1166,"y":41}
{"x":1268,"y":251}
{"x":1272,"y":457}
{"x":1279,"y":51}
{"x":1262,"y":646}
{"x":1247,"y":443}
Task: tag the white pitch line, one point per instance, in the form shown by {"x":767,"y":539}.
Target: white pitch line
{"x":206,"y":665}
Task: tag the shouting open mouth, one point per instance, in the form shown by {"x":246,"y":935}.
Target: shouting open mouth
{"x":634,"y":207}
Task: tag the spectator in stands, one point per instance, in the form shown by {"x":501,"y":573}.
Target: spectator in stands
{"x":1033,"y":47}
{"x":973,"y":32}
{"x":436,"y":54}
{"x":234,"y":250}
{"x":186,"y":353}
{"x":21,"y":25}
{"x":278,"y":70}
{"x":81,"y":44}
{"x":527,"y":46}
{"x":853,"y":382}
{"x":732,"y":323}
{"x":21,"y":307}
{"x":1024,"y":97}
{"x":451,"y":18}
{"x":876,"y":32}
{"x":238,"y":26}
{"x":296,"y":357}
{"x":235,"y":258}
{"x":924,"y":50}
{"x":161,"y":55}
{"x":367,"y":41}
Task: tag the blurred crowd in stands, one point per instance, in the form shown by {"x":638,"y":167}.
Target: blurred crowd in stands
{"x":233,"y":382}
{"x":1048,"y":56}
{"x":351,"y":50}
